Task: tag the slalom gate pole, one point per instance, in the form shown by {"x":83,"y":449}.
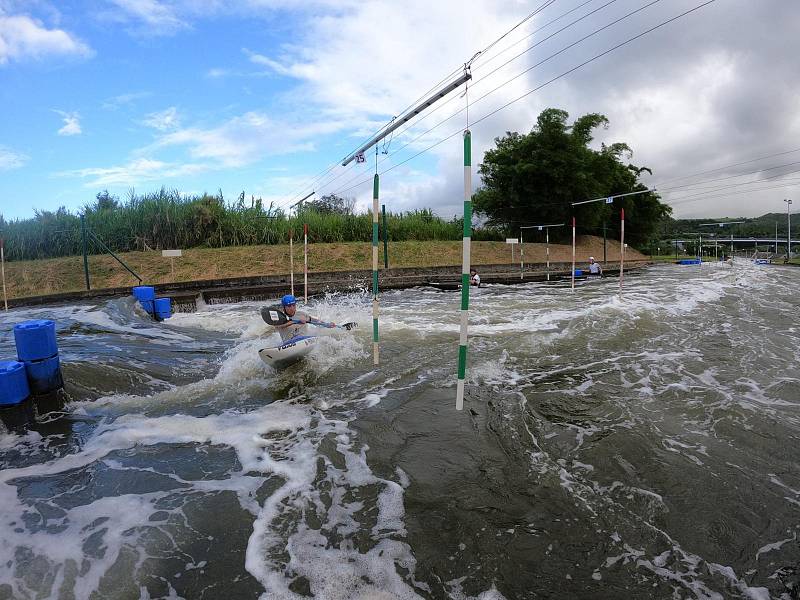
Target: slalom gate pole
{"x":3,"y":267}
{"x":573,"y":254}
{"x":85,"y":252}
{"x":385,"y":239}
{"x":291,"y":259}
{"x":305,"y":263}
{"x":465,"y":268}
{"x":547,"y":250}
{"x":375,"y":309}
{"x":621,"y":250}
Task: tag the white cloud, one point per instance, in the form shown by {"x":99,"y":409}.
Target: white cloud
{"x":163,"y":120}
{"x":151,"y":16}
{"x":124,"y":99}
{"x":9,"y":159}
{"x":72,"y":125}
{"x":22,"y":37}
{"x":246,"y":139}
{"x":134,"y":172}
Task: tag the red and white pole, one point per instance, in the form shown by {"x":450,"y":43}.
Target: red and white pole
{"x":621,"y":250}
{"x":291,"y":259}
{"x":3,"y":267}
{"x":573,"y":254}
{"x":305,"y":263}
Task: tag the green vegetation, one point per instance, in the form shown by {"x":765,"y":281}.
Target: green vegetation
{"x":166,"y":219}
{"x":534,"y":178}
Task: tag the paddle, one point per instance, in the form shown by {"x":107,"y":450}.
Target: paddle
{"x":275,"y":316}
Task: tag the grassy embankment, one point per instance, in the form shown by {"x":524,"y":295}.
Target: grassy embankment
{"x":51,"y":276}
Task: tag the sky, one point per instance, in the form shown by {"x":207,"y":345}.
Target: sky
{"x":266,"y":97}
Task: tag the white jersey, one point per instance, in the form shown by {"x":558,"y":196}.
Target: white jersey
{"x":475,"y":280}
{"x":294,"y":329}
{"x":594,"y":268}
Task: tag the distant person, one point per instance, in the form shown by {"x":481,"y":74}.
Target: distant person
{"x":594,"y":267}
{"x":290,"y":329}
{"x":474,"y":278}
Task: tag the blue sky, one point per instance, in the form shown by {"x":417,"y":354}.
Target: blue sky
{"x":261,"y":95}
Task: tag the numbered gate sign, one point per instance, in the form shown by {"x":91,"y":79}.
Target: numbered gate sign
{"x":512,"y":241}
{"x":171,"y":253}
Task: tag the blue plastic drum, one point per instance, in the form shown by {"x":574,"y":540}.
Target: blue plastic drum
{"x":148,"y":306}
{"x":578,"y":273}
{"x":163,"y":308}
{"x":144,"y":293}
{"x":13,"y":383}
{"x":36,"y":340}
{"x":44,"y":376}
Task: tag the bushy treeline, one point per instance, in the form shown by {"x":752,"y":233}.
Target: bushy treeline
{"x":166,"y":219}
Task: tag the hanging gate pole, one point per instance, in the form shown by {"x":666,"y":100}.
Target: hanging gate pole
{"x":547,"y":246}
{"x":375,"y":194}
{"x":465,"y":267}
{"x":3,"y":266}
{"x":385,"y":239}
{"x":621,"y":250}
{"x":85,"y":255}
{"x":521,"y":257}
{"x":305,"y":263}
{"x":291,"y":259}
{"x":573,"y":254}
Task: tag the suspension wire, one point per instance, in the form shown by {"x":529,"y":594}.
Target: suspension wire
{"x":477,"y":57}
{"x":483,"y":52}
{"x":595,"y":32}
{"x":548,"y":82}
{"x":487,"y":75}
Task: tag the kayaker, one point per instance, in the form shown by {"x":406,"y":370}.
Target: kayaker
{"x":594,"y":267}
{"x":290,"y":330}
{"x":474,"y":278}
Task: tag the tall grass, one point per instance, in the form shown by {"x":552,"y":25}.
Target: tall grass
{"x":166,"y":219}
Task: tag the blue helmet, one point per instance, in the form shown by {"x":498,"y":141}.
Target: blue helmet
{"x":288,"y":299}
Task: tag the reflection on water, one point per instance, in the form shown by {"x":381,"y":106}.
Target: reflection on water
{"x":643,"y":447}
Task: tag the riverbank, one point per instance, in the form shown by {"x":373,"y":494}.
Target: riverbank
{"x":34,"y":279}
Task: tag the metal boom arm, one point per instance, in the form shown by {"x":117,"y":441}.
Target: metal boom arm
{"x":409,"y":115}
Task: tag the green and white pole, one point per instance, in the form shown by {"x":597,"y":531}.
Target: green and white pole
{"x":465,"y":267}
{"x":375,"y":186}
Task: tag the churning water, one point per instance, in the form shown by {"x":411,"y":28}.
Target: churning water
{"x":643,"y":447}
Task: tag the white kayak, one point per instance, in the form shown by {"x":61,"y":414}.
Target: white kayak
{"x":289,"y":352}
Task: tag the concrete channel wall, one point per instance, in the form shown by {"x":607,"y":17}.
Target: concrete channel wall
{"x":186,"y":296}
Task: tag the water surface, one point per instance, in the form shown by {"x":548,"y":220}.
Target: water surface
{"x":637,"y":447}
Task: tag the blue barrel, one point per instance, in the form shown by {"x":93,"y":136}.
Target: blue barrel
{"x":144,"y":293}
{"x":44,"y":376}
{"x":163,"y":308}
{"x":13,"y":383}
{"x":36,"y":340}
{"x":578,"y":273}
{"x":148,"y":305}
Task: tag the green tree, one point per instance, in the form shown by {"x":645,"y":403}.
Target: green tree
{"x":331,"y":205}
{"x":533,"y":178}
